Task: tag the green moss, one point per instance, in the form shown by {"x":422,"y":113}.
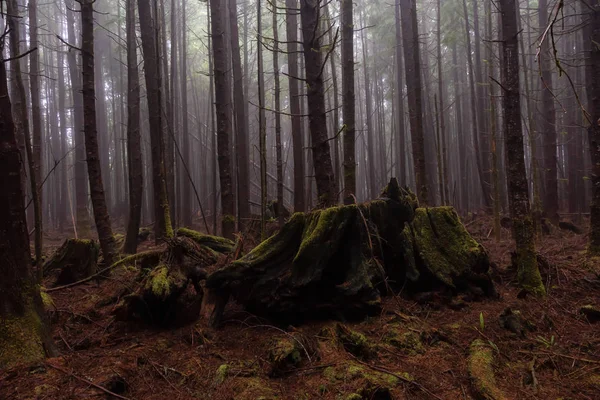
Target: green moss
{"x":254,"y":389}
{"x":444,"y":244}
{"x":20,"y":338}
{"x":354,"y":372}
{"x":222,"y":373}
{"x":47,"y":299}
{"x":285,"y":353}
{"x":409,"y":342}
{"x":216,"y":243}
{"x":481,"y":371}
{"x":45,"y":391}
{"x":354,"y":342}
{"x":151,"y":257}
{"x":354,"y":396}
{"x":159,"y":281}
{"x":528,"y":273}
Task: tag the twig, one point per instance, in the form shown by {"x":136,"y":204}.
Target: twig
{"x":134,"y":257}
{"x":64,"y":371}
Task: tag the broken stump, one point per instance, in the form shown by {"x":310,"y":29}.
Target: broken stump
{"x":75,"y":260}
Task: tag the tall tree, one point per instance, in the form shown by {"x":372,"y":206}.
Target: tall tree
{"x":134,"y":137}
{"x":186,"y":190}
{"x":20,"y":112}
{"x":548,"y":122}
{"x":400,"y":128}
{"x":297,"y":140}
{"x":518,"y":191}
{"x":81,"y":181}
{"x":277,"y":108}
{"x":591,"y":38}
{"x":348,"y":99}
{"x":24,"y":337}
{"x":223,"y":110}
{"x":162,"y":216}
{"x":262,"y":123}
{"x":442,"y":115}
{"x":310,"y":13}
{"x":241,"y":121}
{"x":412,"y":58}
{"x":101,"y":216}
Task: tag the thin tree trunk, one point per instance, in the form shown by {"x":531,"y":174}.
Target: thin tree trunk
{"x":523,"y":230}
{"x":223,"y":109}
{"x":410,"y":36}
{"x":296,"y":119}
{"x":310,"y":14}
{"x":101,"y":217}
{"x":262,"y":124}
{"x":591,"y":38}
{"x":186,"y":189}
{"x":442,"y":113}
{"x":162,"y":222}
{"x":134,"y":138}
{"x":548,"y":125}
{"x":348,"y":100}
{"x":370,"y":133}
{"x":20,"y":112}
{"x":278,"y":145}
{"x":400,"y":128}
{"x":241,"y":120}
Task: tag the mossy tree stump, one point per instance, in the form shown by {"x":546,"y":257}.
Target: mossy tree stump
{"x":340,"y":260}
{"x":76,"y":259}
{"x":160,"y":296}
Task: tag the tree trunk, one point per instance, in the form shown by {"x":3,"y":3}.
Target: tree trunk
{"x":262,"y":123}
{"x":348,"y":100}
{"x":241,"y":121}
{"x":278,"y":145}
{"x":441,"y":112}
{"x":186,"y":192}
{"x":101,"y":217}
{"x":410,"y":36}
{"x":81,"y":181}
{"x":518,"y":191}
{"x":370,"y":133}
{"x":400,"y":128}
{"x":24,"y":337}
{"x":548,"y":122}
{"x":134,"y":137}
{"x":162,"y":222}
{"x":310,"y":14}
{"x":20,"y":112}
{"x":296,"y":119}
{"x":591,"y":39}
{"x":223,"y":109}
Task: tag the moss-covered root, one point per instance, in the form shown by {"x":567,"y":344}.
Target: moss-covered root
{"x":354,"y":342}
{"x":481,"y":372}
{"x":215,"y":243}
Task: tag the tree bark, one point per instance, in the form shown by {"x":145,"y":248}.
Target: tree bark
{"x":410,"y":36}
{"x":277,"y":99}
{"x":134,"y":137}
{"x":101,"y":216}
{"x":518,"y":191}
{"x":400,"y":128}
{"x":21,"y":113}
{"x":241,"y":121}
{"x":262,"y":124}
{"x":310,"y":14}
{"x":24,"y":337}
{"x":162,"y":222}
{"x":348,"y":100}
{"x":223,"y":109}
{"x":296,"y":119}
{"x":591,"y":39}
{"x":548,"y":122}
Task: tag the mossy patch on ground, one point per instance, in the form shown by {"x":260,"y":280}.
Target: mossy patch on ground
{"x":354,"y":342}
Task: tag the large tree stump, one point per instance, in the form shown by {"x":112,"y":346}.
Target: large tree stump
{"x":340,"y":260}
{"x":76,"y":259}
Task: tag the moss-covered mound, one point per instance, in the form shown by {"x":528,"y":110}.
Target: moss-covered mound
{"x":289,"y":352}
{"x":76,"y":259}
{"x":340,"y":260}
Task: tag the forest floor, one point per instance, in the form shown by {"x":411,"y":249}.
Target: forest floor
{"x":558,"y":358}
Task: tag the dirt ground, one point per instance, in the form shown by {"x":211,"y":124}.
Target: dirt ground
{"x":557,"y":358}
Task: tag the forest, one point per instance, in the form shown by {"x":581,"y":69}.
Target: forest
{"x":300,"y":199}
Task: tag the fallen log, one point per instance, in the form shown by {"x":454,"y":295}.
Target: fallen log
{"x":340,"y":261}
